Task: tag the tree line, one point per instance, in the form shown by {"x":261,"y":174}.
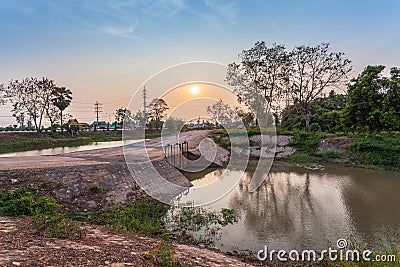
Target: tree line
{"x":268,"y":78}
{"x":34,"y":99}
{"x":292,"y":86}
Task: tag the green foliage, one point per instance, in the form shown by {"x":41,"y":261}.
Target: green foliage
{"x":330,"y":154}
{"x":307,"y":142}
{"x":374,"y":101}
{"x":17,"y":203}
{"x":314,"y":127}
{"x":95,"y":188}
{"x":325,"y":111}
{"x":45,"y":211}
{"x":162,"y":254}
{"x":378,"y":151}
{"x":300,"y":158}
{"x":141,"y":216}
{"x":198,"y":225}
{"x":50,"y":221}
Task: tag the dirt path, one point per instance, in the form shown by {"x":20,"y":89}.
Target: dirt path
{"x":69,"y":177}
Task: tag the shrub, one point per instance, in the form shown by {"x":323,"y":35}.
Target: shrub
{"x":307,"y":142}
{"x":315,"y":127}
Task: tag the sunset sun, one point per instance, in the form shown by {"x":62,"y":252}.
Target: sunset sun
{"x":194,"y":90}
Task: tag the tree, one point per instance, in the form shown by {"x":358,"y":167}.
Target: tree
{"x":364,"y":101}
{"x":391,"y":104}
{"x":173,"y":125}
{"x":30,"y":96}
{"x":314,"y":69}
{"x":158,"y":111}
{"x":260,"y":79}
{"x":62,"y":98}
{"x":123,"y":115}
{"x":140,"y":118}
{"x":246,"y":116}
{"x":222,"y":114}
{"x":53,"y":114}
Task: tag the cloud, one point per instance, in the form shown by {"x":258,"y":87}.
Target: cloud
{"x":164,"y":7}
{"x":226,"y":9}
{"x":122,"y":31}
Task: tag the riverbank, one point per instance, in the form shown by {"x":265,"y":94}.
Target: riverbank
{"x":379,"y":152}
{"x":62,"y":194}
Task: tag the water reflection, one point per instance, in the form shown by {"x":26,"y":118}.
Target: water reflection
{"x":63,"y":150}
{"x":297,"y":208}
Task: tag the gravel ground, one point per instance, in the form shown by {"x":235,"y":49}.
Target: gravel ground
{"x":99,"y":246}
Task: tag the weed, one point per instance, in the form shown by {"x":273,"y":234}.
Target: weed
{"x":95,"y":188}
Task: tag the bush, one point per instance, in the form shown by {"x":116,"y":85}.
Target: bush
{"x":50,"y":221}
{"x":315,"y":127}
{"x":378,"y":151}
{"x":307,"y":142}
{"x":17,"y":203}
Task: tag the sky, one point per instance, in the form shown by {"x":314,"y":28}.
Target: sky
{"x":104,"y":50}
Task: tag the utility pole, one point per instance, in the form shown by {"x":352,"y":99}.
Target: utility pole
{"x":97,"y":109}
{"x":144,"y":93}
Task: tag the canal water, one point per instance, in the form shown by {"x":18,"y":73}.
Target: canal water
{"x":68,"y":149}
{"x":297,"y":208}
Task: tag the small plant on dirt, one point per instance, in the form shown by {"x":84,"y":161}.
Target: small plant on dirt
{"x":163,"y":253}
{"x":95,"y":188}
{"x":50,"y":221}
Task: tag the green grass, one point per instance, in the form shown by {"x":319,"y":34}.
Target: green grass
{"x":378,"y":151}
{"x":143,"y":216}
{"x":300,"y":158}
{"x":330,"y":154}
{"x":307,"y":142}
{"x":45,"y":211}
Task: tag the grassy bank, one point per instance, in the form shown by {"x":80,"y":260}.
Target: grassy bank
{"x":379,"y":151}
{"x":145,"y":216}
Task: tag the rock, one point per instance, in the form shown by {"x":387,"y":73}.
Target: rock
{"x":283,"y":152}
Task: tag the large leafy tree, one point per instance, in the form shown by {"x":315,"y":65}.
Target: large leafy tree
{"x":314,"y":69}
{"x":158,"y":111}
{"x":391,"y":103}
{"x":374,"y":101}
{"x":365,"y":95}
{"x":62,"y":98}
{"x":260,"y":77}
